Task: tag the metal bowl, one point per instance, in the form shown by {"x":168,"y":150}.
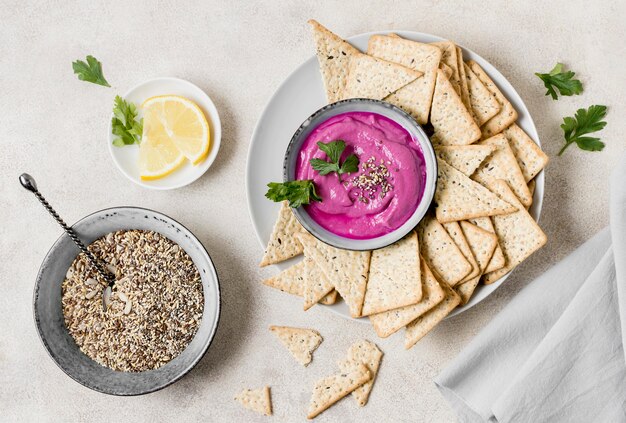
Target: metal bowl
{"x":391,"y":112}
{"x":49,"y":314}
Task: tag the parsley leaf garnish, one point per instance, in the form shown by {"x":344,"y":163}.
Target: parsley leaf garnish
{"x":560,"y":80}
{"x":296,"y":192}
{"x":91,"y":71}
{"x":333,"y":150}
{"x":124,"y":125}
{"x":584,"y":122}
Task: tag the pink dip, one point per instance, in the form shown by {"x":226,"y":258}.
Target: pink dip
{"x":383,"y":148}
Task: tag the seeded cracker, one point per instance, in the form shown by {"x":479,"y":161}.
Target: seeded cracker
{"x":316,"y":283}
{"x":484,"y":104}
{"x":333,"y":54}
{"x":368,"y":354}
{"x":497,"y":260}
{"x":502,"y":165}
{"x":416,"y":97}
{"x":291,"y":281}
{"x":465,"y":98}
{"x":417,"y":329}
{"x":369,"y":77}
{"x":455,"y":232}
{"x":507,"y":114}
{"x":441,"y":253}
{"x":300,"y":342}
{"x":283,"y":243}
{"x":394,"y":279}
{"x":347,"y":270}
{"x":331,"y":389}
{"x":391,"y":321}
{"x":457,"y":197}
{"x":530,"y":157}
{"x":449,"y":56}
{"x":452,"y":122}
{"x":465,"y":158}
{"x":257,"y":400}
{"x":519,"y":234}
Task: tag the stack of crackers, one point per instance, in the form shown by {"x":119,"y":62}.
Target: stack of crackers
{"x":479,"y":227}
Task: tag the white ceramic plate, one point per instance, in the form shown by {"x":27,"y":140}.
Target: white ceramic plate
{"x":301,"y":94}
{"x":126,"y":157}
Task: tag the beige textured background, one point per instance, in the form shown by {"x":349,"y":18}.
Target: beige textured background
{"x":54,"y":127}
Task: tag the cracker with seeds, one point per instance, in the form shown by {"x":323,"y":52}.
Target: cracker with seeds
{"x":394,"y":279}
{"x":519,"y":234}
{"x":503,"y":165}
{"x":370,"y":77}
{"x":331,"y":389}
{"x":347,"y":270}
{"x":497,"y":260}
{"x":418,"y":328}
{"x":333,"y":55}
{"x":441,"y":253}
{"x":507,"y":114}
{"x":483,"y":104}
{"x":465,"y":158}
{"x":291,"y":281}
{"x":316,"y":283}
{"x":368,"y":354}
{"x":299,"y":342}
{"x":457,"y":197}
{"x":530,"y":157}
{"x":455,"y":232}
{"x":452,"y":122}
{"x":283,"y":243}
{"x":465,"y":97}
{"x":257,"y":400}
{"x":449,"y":56}
{"x":391,"y":321}
{"x":416,"y":97}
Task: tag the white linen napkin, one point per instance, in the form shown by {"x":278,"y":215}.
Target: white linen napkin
{"x":555,"y":352}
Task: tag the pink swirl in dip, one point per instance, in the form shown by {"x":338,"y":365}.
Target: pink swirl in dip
{"x":385,"y":191}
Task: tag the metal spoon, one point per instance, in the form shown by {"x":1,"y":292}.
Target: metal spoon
{"x":29,"y":183}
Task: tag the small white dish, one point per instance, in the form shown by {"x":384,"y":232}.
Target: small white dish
{"x":125,"y":158}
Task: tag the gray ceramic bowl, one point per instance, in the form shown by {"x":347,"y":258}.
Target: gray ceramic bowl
{"x":391,"y":112}
{"x":49,"y":315}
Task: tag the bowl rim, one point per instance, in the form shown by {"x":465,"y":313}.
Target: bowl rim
{"x":205,"y":347}
{"x":418,"y":214}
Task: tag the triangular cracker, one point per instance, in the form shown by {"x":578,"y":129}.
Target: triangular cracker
{"x":416,"y":97}
{"x":299,"y":341}
{"x":457,"y":197}
{"x":394,"y":278}
{"x":330,"y":298}
{"x":507,"y":114}
{"x":449,"y":56}
{"x":446,"y":69}
{"x":392,"y":321}
{"x":347,"y":270}
{"x":532,"y":184}
{"x":503,"y":165}
{"x":283,"y":243}
{"x":497,"y":260}
{"x":484,"y":104}
{"x":452,"y":122}
{"x":368,"y":354}
{"x":369,"y":77}
{"x":530,"y":157}
{"x":291,"y":281}
{"x":465,"y":290}
{"x":465,"y":97}
{"x":333,"y":54}
{"x":316,"y":283}
{"x":257,"y":400}
{"x":455,"y":232}
{"x":441,"y":253}
{"x":418,"y":328}
{"x":331,"y":389}
{"x":518,"y":233}
{"x":465,"y":158}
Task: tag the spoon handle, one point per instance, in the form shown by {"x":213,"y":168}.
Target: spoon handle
{"x":28,"y":182}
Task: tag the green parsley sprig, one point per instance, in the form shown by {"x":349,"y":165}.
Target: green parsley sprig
{"x":124,"y":124}
{"x":90,"y":71}
{"x":333,"y":150}
{"x":296,"y":192}
{"x":562,"y":81}
{"x":584,"y":122}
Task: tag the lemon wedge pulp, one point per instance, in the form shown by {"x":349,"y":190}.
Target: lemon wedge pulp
{"x":174,"y":129}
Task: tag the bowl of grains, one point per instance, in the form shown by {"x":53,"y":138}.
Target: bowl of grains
{"x":158,"y":321}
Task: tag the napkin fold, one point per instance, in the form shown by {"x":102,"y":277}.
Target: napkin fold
{"x":555,"y":352}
